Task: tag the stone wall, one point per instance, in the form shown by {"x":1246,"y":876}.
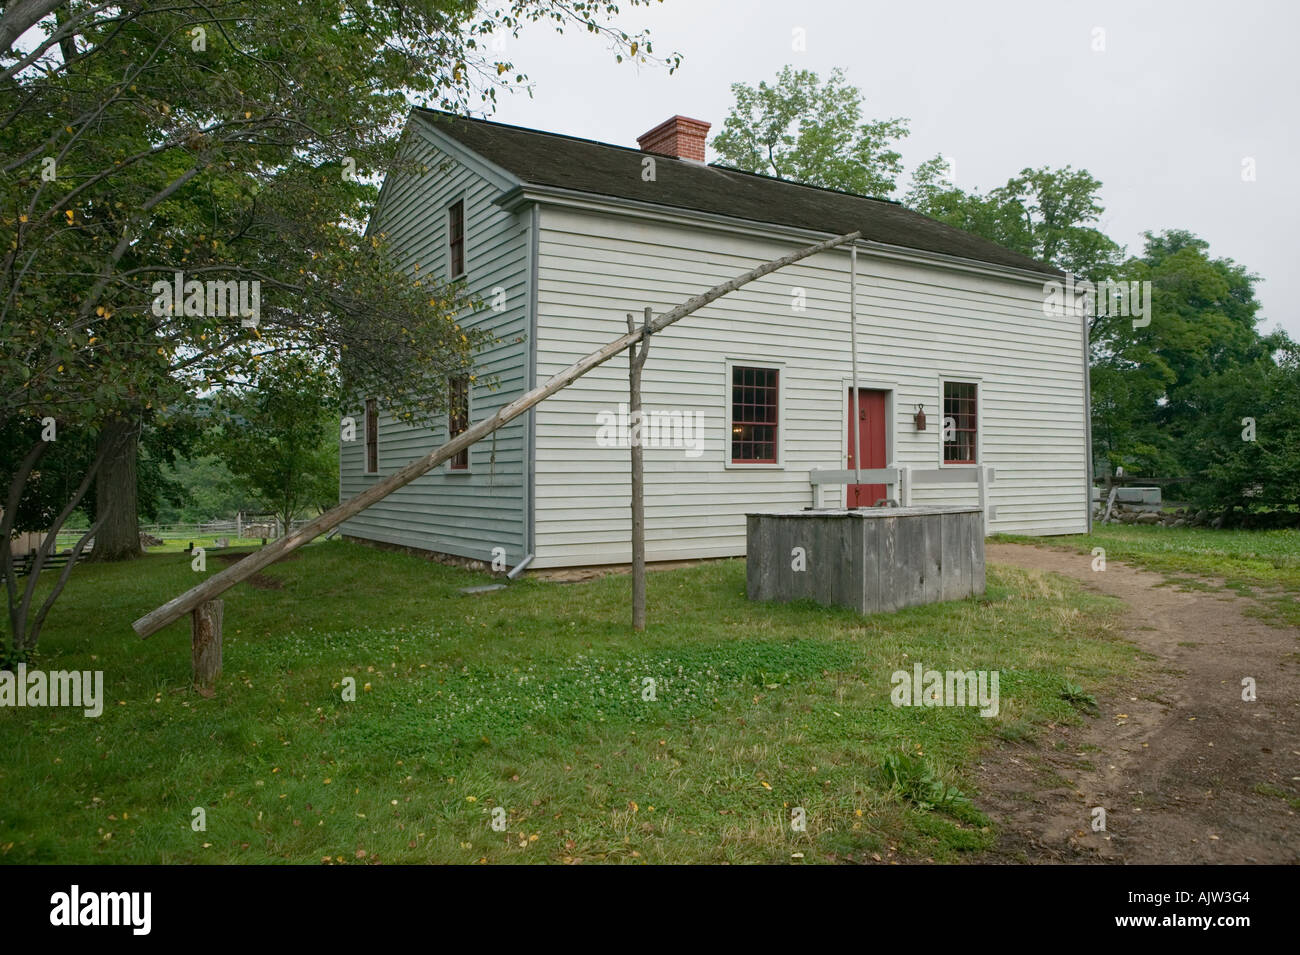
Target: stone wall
{"x":1197,"y":517}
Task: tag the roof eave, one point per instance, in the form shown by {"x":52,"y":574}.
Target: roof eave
{"x":528,"y":193}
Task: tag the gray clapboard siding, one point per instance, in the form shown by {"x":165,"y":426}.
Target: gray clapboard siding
{"x":918,"y":323}
{"x":466,"y":514}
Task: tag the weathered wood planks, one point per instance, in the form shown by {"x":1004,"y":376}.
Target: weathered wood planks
{"x":873,"y":560}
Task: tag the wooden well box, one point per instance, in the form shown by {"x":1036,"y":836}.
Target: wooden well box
{"x":871,"y":559}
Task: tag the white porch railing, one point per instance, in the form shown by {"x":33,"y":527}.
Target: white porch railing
{"x":901,"y":479}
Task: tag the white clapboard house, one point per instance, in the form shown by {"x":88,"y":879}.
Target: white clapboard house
{"x":746,"y":399}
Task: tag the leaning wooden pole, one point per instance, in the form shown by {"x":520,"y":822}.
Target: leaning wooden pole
{"x":636,"y":356}
{"x":222,"y":581}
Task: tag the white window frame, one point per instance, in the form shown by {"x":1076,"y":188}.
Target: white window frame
{"x":780,"y":368}
{"x":978,"y":382}
{"x":469,"y":422}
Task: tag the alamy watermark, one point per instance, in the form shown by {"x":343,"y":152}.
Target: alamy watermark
{"x":210,"y":298}
{"x":80,"y":688}
{"x":924,"y":687}
{"x":651,"y":429}
{"x":77,"y":908}
{"x":1098,"y":300}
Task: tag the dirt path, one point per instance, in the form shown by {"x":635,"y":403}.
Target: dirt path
{"x":1186,"y":771}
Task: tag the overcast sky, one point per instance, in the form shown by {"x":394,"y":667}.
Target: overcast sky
{"x":1164,"y":116}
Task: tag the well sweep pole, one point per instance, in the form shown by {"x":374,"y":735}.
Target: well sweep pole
{"x":222,"y":581}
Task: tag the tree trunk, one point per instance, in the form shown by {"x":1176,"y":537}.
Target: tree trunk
{"x":118,"y":537}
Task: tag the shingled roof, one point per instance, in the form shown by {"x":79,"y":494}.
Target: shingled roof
{"x":583,"y":165}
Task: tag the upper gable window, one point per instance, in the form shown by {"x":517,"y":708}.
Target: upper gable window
{"x":456,"y":239}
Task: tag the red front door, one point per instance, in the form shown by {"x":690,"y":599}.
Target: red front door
{"x":869,"y":412}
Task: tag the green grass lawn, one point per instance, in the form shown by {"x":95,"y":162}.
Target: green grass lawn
{"x":173,"y":545}
{"x":528,"y":700}
{"x":1264,"y":565}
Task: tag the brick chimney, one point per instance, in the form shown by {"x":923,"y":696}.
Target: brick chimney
{"x":680,"y":137}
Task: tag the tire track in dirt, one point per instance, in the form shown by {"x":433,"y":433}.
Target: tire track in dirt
{"x":1179,"y":758}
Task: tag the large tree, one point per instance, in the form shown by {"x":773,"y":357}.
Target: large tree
{"x":1047,"y":214}
{"x":1153,"y":385}
{"x":1241,"y":435}
{"x":234,"y":142}
{"x":807,"y":131}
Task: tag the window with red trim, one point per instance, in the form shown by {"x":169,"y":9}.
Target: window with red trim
{"x":372,"y":436}
{"x":456,"y":239}
{"x":458,"y":418}
{"x":960,"y":422}
{"x":754,"y":414}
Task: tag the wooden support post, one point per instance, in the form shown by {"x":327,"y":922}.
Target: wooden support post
{"x":635,"y":362}
{"x":1110,"y":503}
{"x":205,"y":633}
